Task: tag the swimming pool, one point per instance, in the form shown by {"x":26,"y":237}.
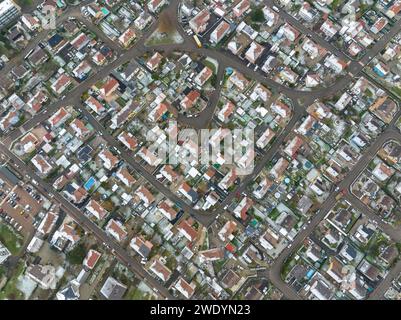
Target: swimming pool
{"x":89,"y":184}
{"x":310,"y":274}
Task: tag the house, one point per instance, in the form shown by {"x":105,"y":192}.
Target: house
{"x":149,"y":157}
{"x":211,"y":255}
{"x":246,"y":160}
{"x":186,"y":289}
{"x":329,"y":29}
{"x":306,"y":126}
{"x":228,"y":180}
{"x":65,"y":237}
{"x":61,"y":84}
{"x":91,"y":259}
{"x":30,"y":21}
{"x":199,"y":23}
{"x":143,"y":20}
{"x":288,"y":32}
{"x":109,"y":159}
{"x":95,"y":105}
{"x":220,"y":32}
{"x":265,"y":138}
{"x":394,"y":9}
{"x":190,"y":99}
{"x":369,"y":270}
{"x":29,"y":142}
{"x":38,"y":57}
{"x":312,"y":80}
{"x":112,"y":289}
{"x":271,"y":17}
{"x":47,"y":224}
{"x":335,"y":63}
{"x":168,"y":172}
{"x":226,"y":233}
{"x":125,"y":177}
{"x":321,"y":290}
{"x":281,"y":109}
{"x":239,"y":80}
{"x":36,"y":102}
{"x":243,"y":207}
{"x":41,"y":164}
{"x":313,"y":49}
{"x":231,"y":279}
{"x":116,"y":230}
{"x":80,"y":41}
{"x":379,"y":25}
{"x":187,"y":230}
{"x":75,"y":193}
{"x":389,"y":254}
{"x":96,"y":209}
{"x":166,"y":208}
{"x":157,"y":112}
{"x":203,"y":76}
{"x":382,"y":171}
{"x":141,"y":246}
{"x":384,"y":108}
{"x":160,"y":270}
{"x":260,"y":191}
{"x":127,"y":37}
{"x":79,"y":128}
{"x":108,"y":87}
{"x":226,"y":111}
{"x":254,"y":52}
{"x":269,"y":240}
{"x":260,"y":92}
{"x":242,"y":7}
{"x":306,"y":12}
{"x":293,"y":146}
{"x":145,"y":195}
{"x":279,"y":168}
{"x":155,"y":5}
{"x":44,"y":275}
{"x":99,"y":58}
{"x":82,"y":70}
{"x":357,"y":289}
{"x":188,"y":192}
{"x":154,"y":62}
{"x":128,"y":140}
{"x":335,"y":270}
{"x":59,"y":118}
{"x":71,"y":291}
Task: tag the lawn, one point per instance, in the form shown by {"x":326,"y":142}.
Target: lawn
{"x":24,"y":3}
{"x":162,"y":39}
{"x":9,"y":239}
{"x":397,"y":91}
{"x":10,"y":290}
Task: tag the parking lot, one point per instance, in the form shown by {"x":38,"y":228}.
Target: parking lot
{"x":19,"y":207}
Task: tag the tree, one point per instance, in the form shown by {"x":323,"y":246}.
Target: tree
{"x":77,"y":254}
{"x":257,"y":15}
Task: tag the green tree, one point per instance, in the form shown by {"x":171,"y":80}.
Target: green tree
{"x":77,"y":254}
{"x":257,"y":15}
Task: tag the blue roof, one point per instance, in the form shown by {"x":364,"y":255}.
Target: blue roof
{"x":55,"y":40}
